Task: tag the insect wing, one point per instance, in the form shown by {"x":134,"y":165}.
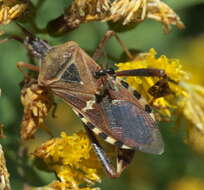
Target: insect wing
{"x":132,"y":126}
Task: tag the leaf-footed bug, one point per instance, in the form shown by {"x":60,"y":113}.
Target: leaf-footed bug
{"x":107,"y":105}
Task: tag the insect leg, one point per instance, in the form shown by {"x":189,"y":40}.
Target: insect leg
{"x":160,"y":88}
{"x":124,"y":156}
{"x":30,"y":67}
{"x":20,"y":65}
{"x":99,"y":50}
{"x":147,"y":72}
{"x":13,"y":37}
{"x":110,"y":170}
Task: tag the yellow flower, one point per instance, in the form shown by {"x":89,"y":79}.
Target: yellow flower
{"x":173,"y":70}
{"x":195,"y":138}
{"x":186,"y":99}
{"x":11,"y":9}
{"x":187,"y":183}
{"x":71,"y":158}
{"x":192,"y":59}
{"x":193,"y":107}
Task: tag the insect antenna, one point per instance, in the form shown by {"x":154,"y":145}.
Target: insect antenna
{"x":35,"y":45}
{"x":13,"y":37}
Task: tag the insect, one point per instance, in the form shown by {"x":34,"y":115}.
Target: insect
{"x":107,"y":105}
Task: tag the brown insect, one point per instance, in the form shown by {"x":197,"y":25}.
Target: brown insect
{"x":107,"y":105}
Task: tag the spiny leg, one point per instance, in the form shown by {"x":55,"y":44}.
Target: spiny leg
{"x":123,"y":160}
{"x":99,"y":50}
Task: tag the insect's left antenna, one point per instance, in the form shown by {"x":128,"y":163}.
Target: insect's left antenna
{"x":34,"y":44}
{"x":13,"y":37}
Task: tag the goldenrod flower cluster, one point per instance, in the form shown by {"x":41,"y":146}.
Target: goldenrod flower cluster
{"x":11,"y":9}
{"x":173,"y":69}
{"x":186,"y":98}
{"x":71,"y":158}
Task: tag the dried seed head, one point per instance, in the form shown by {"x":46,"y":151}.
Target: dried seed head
{"x":135,"y":11}
{"x":4,"y":175}
{"x":37,"y":102}
{"x":161,"y":12}
{"x":11,"y":9}
{"x":84,"y":11}
{"x":125,"y":11}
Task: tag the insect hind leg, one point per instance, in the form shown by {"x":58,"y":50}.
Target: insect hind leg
{"x":145,"y":72}
{"x":123,"y":159}
{"x":160,"y":88}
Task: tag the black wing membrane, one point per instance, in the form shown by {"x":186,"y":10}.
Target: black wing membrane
{"x":132,"y":126}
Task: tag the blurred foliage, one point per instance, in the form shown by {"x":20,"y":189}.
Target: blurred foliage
{"x":180,"y":167}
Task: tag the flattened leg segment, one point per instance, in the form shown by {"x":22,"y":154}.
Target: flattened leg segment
{"x":124,"y":158}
